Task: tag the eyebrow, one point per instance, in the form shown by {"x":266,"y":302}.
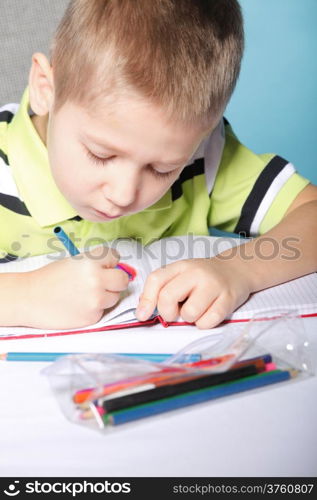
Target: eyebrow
{"x":112,"y":148}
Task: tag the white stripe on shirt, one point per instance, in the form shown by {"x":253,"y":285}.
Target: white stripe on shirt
{"x":270,"y":195}
{"x":7,"y":182}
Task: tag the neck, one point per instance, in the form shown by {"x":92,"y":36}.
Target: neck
{"x":40,"y":125}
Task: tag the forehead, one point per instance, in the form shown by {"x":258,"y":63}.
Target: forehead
{"x":135,"y":125}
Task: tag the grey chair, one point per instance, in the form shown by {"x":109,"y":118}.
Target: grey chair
{"x":26,"y":26}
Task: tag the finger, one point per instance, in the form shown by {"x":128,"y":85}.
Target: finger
{"x":197,"y":304}
{"x":154,"y":282}
{"x":115,"y":280}
{"x":108,"y":257}
{"x":110,"y":299}
{"x":174,"y":292}
{"x":216,"y":313}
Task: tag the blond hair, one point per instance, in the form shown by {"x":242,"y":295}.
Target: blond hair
{"x":183,"y":55}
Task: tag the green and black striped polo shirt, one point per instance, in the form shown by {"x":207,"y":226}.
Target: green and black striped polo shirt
{"x":225,"y":185}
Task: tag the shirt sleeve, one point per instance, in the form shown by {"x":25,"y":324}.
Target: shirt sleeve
{"x":251,"y":193}
{"x":5,"y":257}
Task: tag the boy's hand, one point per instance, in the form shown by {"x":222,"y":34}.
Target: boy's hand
{"x":201,"y":291}
{"x":74,"y":292}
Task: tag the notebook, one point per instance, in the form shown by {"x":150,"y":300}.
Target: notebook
{"x":298,"y":295}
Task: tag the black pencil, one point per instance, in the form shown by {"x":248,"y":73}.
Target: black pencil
{"x":167,"y":390}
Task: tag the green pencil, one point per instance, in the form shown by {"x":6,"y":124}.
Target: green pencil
{"x":198,"y":396}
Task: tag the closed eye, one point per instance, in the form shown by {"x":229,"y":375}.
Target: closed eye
{"x":103,"y":160}
{"x":97,"y":159}
{"x":160,"y":175}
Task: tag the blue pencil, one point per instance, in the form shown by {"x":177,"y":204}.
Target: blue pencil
{"x":199,"y":396}
{"x":73,"y":250}
{"x":67,"y":242}
{"x":52,"y":356}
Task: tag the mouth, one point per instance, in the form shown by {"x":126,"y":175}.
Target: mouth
{"x":105,"y":216}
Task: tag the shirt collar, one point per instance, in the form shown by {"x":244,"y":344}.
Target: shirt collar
{"x":31,"y":170}
{"x":30,"y":166}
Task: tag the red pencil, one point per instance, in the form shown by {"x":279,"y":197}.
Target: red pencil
{"x":128,"y":269}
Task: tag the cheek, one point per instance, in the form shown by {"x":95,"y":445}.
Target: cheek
{"x":154,"y":189}
{"x":61,"y":171}
{"x":66,"y":161}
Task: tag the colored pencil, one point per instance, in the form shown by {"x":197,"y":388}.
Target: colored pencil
{"x":52,"y":356}
{"x":85,"y":395}
{"x":66,"y":241}
{"x":173,"y":388}
{"x":167,"y":373}
{"x":73,"y":250}
{"x":195,"y":397}
{"x":152,"y":394}
{"x":267,"y":358}
{"x":127,"y":269}
{"x":91,"y":394}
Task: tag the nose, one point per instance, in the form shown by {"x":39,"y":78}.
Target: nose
{"x":122,"y":184}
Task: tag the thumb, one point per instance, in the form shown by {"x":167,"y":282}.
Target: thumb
{"x":107,"y":256}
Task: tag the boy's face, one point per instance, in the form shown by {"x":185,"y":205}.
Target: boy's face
{"x":120,"y":159}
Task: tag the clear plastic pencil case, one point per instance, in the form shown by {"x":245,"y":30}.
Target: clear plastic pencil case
{"x":103,"y":391}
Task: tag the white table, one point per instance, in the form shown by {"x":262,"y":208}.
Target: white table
{"x":266,"y":432}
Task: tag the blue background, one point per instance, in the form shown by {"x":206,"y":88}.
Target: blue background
{"x":274,"y":104}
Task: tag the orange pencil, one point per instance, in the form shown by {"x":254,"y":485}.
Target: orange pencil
{"x":94,"y":393}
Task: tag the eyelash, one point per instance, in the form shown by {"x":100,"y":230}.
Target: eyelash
{"x":95,"y":159}
{"x":102,"y":161}
{"x":161,"y":175}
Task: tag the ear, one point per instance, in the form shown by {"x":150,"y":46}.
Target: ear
{"x":41,"y":87}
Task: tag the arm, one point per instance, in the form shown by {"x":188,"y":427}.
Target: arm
{"x":288,"y":250}
{"x":13,"y":298}
{"x":206,"y":291}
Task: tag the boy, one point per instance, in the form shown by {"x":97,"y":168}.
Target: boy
{"x":121,"y":135}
